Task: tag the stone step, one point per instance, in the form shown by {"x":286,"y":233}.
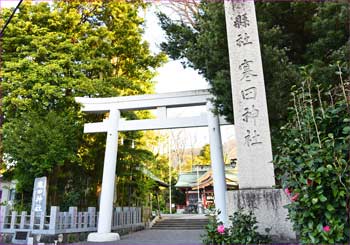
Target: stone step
{"x":177,"y":228}
{"x":175,"y":224}
{"x":161,"y":224}
{"x":165,"y":225}
{"x":180,"y":224}
{"x":185,"y":222}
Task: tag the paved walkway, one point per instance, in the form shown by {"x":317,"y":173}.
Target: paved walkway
{"x":163,"y":236}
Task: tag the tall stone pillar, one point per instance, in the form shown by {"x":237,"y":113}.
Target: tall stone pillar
{"x":254,"y":153}
{"x":108,"y":183}
{"x":217,"y":163}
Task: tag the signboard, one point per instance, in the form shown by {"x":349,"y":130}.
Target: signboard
{"x":39,"y":195}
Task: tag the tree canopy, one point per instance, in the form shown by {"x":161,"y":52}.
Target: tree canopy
{"x":52,"y":53}
{"x":204,"y":155}
{"x":292,"y":35}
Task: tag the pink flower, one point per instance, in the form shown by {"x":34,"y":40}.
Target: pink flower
{"x":287,"y":191}
{"x":221,"y":229}
{"x":295,"y":197}
{"x":327,"y":228}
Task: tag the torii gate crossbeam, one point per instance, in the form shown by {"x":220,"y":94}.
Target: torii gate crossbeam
{"x":161,"y":102}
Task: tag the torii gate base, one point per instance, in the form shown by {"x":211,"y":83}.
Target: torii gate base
{"x":105,"y":237}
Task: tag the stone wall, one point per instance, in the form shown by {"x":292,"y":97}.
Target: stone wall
{"x":267,"y":205}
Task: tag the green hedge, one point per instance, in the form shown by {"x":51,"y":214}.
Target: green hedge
{"x":313,"y":161}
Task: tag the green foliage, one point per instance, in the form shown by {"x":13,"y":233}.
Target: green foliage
{"x":313,"y":162}
{"x":292,"y":34}
{"x":133,"y":186}
{"x":178,"y":196}
{"x":243,"y":230}
{"x":51,"y":54}
{"x":70,"y":199}
{"x":212,"y":235}
{"x":41,"y":144}
{"x":204,"y":155}
{"x":205,"y":48}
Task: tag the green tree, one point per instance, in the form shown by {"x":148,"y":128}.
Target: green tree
{"x":204,"y":47}
{"x":291,"y":34}
{"x":42,"y":145}
{"x":51,"y":54}
{"x":204,"y":155}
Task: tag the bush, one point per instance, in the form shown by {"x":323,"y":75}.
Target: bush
{"x":313,"y":162}
{"x":242,"y":230}
{"x":213,"y":236}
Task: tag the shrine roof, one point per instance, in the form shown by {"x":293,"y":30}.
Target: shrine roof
{"x":205,"y":178}
{"x":188,"y":179}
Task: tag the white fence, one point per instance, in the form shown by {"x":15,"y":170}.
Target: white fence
{"x":67,"y":222}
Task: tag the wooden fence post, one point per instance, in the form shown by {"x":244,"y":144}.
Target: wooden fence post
{"x":92,"y":216}
{"x":73,"y":217}
{"x":134,"y":215}
{"x":86,"y":220}
{"x":118,"y":211}
{"x":59,"y":221}
{"x":54,"y":213}
{"x":23,"y":219}
{"x":139,"y":215}
{"x":80,"y":217}
{"x":65,"y":220}
{"x":4,"y":213}
{"x":126,"y":215}
{"x":13,"y":220}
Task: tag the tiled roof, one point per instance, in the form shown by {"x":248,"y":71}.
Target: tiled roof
{"x":188,"y":179}
{"x":205,"y":178}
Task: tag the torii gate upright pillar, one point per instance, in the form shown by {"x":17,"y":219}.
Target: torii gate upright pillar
{"x":108,"y":182}
{"x":217,"y":163}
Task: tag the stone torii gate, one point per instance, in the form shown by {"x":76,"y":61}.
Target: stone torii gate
{"x":115,"y":124}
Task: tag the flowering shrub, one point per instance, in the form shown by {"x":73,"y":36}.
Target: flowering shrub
{"x":221,"y":229}
{"x":326,"y":228}
{"x":216,"y":233}
{"x":242,"y":230}
{"x":313,"y":162}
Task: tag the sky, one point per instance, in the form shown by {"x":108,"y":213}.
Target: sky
{"x":174,"y":77}
{"x":171,"y":77}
